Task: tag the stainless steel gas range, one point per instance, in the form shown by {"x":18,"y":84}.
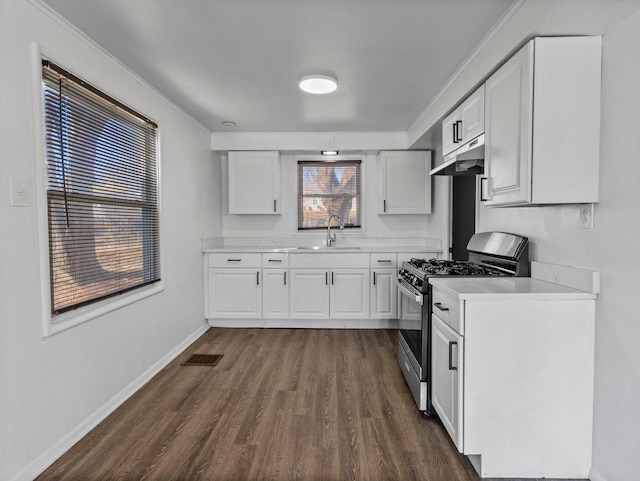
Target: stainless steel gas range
{"x":490,"y":254}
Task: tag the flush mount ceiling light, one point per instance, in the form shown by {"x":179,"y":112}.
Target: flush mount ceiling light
{"x":228,"y":124}
{"x":318,"y":84}
{"x":329,"y":152}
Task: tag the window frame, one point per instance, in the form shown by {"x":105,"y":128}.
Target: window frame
{"x":315,"y":231}
{"x":53,"y":324}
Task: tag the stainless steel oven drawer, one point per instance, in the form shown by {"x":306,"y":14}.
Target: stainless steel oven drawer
{"x":418,"y":389}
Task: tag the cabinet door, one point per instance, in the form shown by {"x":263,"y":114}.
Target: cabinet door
{"x":309,"y":294}
{"x":383,"y":294}
{"x":254,"y":182}
{"x":447,"y":377}
{"x":472,"y":116}
{"x":349,"y":297}
{"x":275,"y":294}
{"x":451,"y":135}
{"x":234,"y":293}
{"x":508,"y":136}
{"x":404,"y":182}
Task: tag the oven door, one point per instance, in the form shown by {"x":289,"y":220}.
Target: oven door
{"x":413,"y":316}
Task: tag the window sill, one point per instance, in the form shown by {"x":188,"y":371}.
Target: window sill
{"x":62,"y":322}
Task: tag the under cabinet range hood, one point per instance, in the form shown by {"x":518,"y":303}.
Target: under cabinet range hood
{"x":466,"y":160}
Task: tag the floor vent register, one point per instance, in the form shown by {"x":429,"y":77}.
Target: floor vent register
{"x":203,"y":360}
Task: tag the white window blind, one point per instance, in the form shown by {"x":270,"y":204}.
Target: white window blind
{"x":328,"y":188}
{"x":102,"y":193}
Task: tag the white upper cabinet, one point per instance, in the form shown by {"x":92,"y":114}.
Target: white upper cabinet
{"x":464,"y":123}
{"x":542,"y":124}
{"x":404,"y":184}
{"x":254,"y":182}
{"x":450,"y":138}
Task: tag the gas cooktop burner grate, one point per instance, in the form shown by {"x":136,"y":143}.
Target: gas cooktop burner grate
{"x":456,"y":268}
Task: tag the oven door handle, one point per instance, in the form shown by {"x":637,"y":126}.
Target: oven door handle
{"x":410,"y":294}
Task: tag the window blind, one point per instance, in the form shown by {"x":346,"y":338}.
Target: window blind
{"x":102,"y":193}
{"x":328,"y":188}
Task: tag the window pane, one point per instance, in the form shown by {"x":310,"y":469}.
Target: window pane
{"x":318,"y":209}
{"x":328,"y":188}
{"x":101,"y":191}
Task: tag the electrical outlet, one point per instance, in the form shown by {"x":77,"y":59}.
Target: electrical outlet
{"x":585,"y":212}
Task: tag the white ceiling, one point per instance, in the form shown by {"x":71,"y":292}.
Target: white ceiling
{"x":240,"y":60}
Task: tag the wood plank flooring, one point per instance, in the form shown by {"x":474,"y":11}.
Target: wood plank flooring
{"x":282,"y":404}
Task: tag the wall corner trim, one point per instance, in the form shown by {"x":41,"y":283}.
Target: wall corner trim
{"x":594,"y":475}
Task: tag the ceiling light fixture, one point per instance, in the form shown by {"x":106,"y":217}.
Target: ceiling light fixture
{"x":228,"y":124}
{"x":318,"y":84}
{"x":329,"y":152}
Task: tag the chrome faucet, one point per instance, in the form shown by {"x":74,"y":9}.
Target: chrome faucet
{"x":332,"y":238}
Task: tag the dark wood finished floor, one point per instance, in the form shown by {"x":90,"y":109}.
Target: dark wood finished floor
{"x":283,"y":404}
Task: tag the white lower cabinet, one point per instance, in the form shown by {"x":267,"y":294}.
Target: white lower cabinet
{"x":234,"y":293}
{"x":275,"y":294}
{"x":309,"y":291}
{"x":349,"y":294}
{"x":384,"y":294}
{"x":512,"y":375}
{"x":329,"y":293}
{"x":279,"y":286}
{"x":446,"y":384}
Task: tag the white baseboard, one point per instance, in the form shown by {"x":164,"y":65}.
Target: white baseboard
{"x":594,"y":475}
{"x":46,"y":459}
{"x":306,"y":323}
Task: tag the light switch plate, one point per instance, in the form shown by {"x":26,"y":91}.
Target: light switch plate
{"x":19,"y":193}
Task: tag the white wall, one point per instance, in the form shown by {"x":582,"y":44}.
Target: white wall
{"x":50,"y":386}
{"x":611,"y":248}
{"x":283,"y":228}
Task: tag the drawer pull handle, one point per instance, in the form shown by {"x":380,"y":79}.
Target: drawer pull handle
{"x":234,"y":260}
{"x":451,"y":366}
{"x":388,"y":261}
{"x":275,"y":260}
{"x":439,"y":306}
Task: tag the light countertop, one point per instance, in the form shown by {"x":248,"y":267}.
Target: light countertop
{"x":325,"y":250}
{"x":508,"y":288}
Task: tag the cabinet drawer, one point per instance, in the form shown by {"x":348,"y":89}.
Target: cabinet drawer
{"x":235,"y":259}
{"x":447,"y":308}
{"x":383,"y":260}
{"x":275,"y":261}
